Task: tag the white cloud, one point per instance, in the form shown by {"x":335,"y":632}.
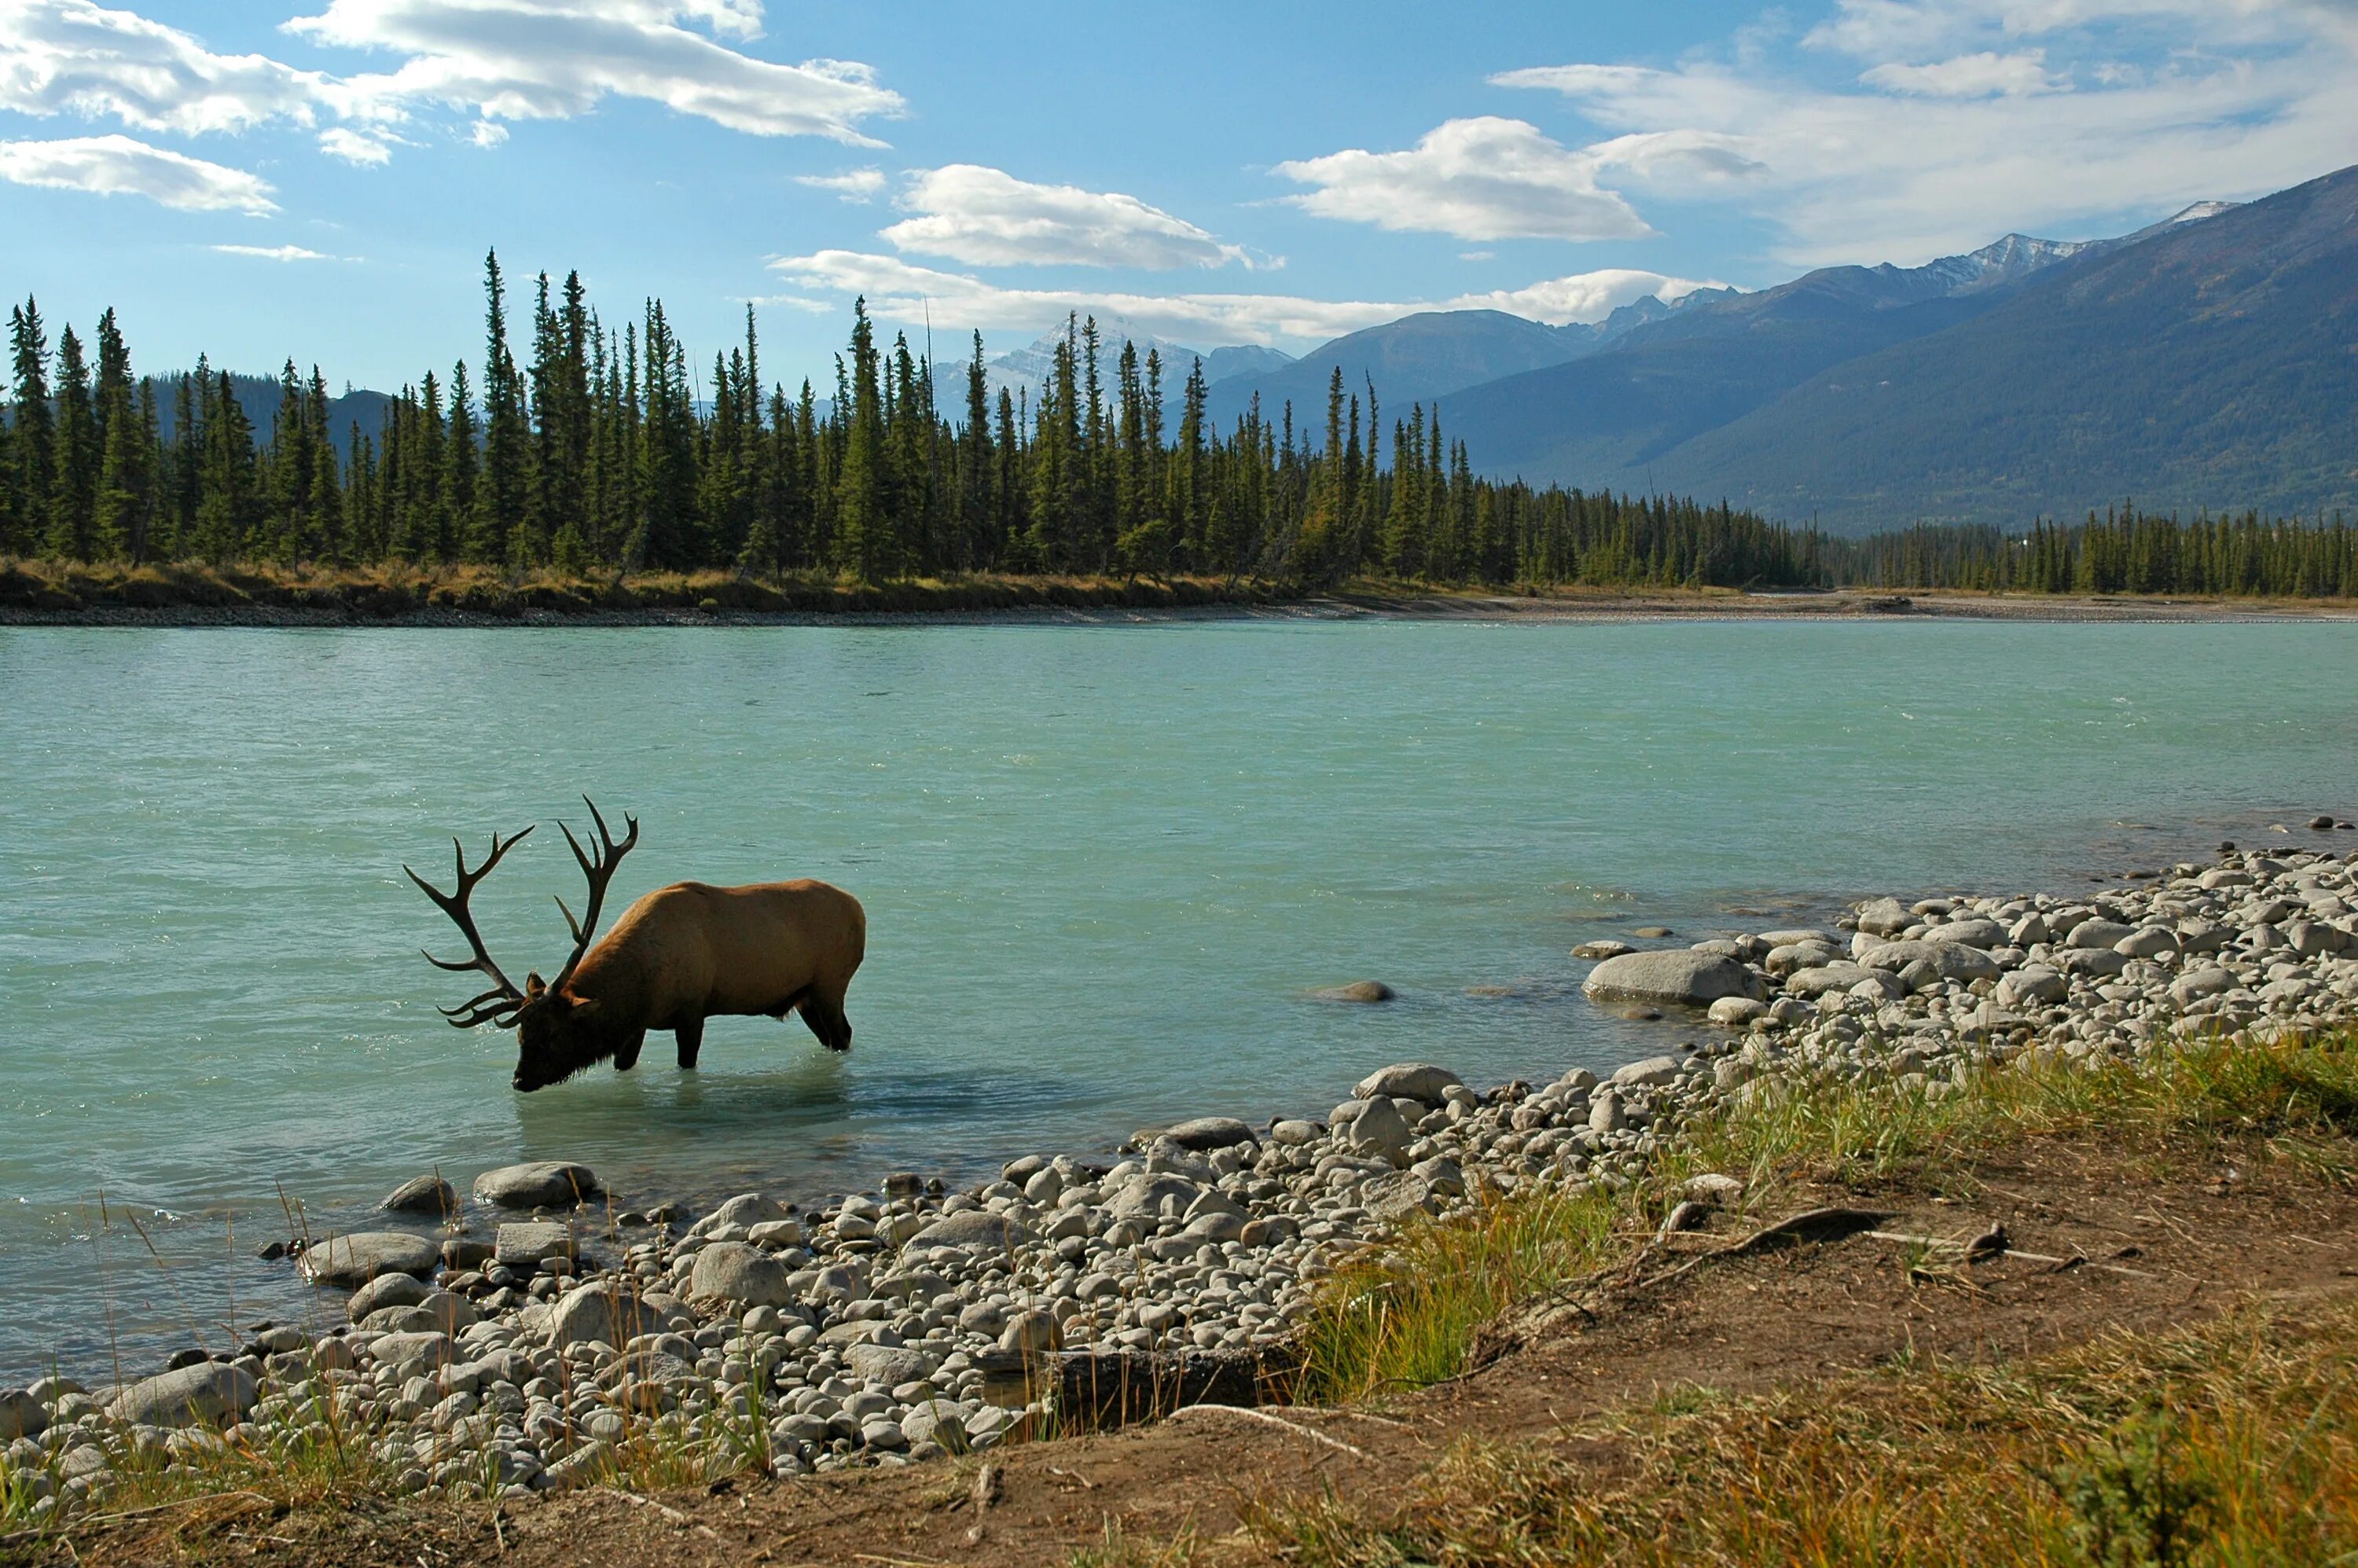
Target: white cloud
{"x":857,"y":184}
{"x":986,"y":216}
{"x":1968,"y":75}
{"x":901,"y":291}
{"x":488,"y":133}
{"x":365,"y":148}
{"x":1584,"y":297}
{"x":1485,"y":179}
{"x":116,"y":166}
{"x":521,"y":60}
{"x":1948,"y":140}
{"x":72,"y":56}
{"x":273,"y":252}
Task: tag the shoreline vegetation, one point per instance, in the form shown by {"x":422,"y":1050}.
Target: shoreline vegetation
{"x":2156,"y":1084}
{"x":602,"y":459}
{"x":197,"y":593}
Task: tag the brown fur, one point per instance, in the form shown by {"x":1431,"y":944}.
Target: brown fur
{"x":689,"y":952}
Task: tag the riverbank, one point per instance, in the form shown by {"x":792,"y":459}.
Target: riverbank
{"x":1396,"y":1239}
{"x":197,"y":595}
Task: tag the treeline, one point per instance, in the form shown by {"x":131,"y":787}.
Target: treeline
{"x":2124,"y":550}
{"x":600,"y":452}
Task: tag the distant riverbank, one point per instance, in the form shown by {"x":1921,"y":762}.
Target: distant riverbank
{"x":187,"y":595}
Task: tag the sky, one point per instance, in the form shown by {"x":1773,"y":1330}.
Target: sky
{"x":256,"y":180}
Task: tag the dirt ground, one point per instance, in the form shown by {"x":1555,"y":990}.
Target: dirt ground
{"x":2144,"y":1253}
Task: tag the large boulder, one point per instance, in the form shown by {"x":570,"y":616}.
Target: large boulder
{"x":545,"y":1185}
{"x":357,"y":1258}
{"x":1379,"y":1130}
{"x":890,"y":1365}
{"x":1683,"y":978}
{"x":1208,"y":1132}
{"x":527,"y":1243}
{"x":21,"y":1415}
{"x":213,"y":1392}
{"x":594,"y":1312}
{"x":1882,"y":916}
{"x":734,"y":1271}
{"x":1408,"y":1080}
{"x":1946,"y":961}
{"x":1143,"y":1197}
{"x":422,"y":1194}
{"x":1974,"y":933}
{"x":386,"y":1291}
{"x":1838,"y":975}
{"x":973,"y":1227}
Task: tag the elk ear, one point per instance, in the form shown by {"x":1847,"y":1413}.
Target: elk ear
{"x":534,"y":985}
{"x":584,"y":1006}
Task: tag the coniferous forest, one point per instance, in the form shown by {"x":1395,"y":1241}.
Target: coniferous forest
{"x":605,"y":454}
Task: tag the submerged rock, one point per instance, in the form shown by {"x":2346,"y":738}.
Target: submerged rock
{"x":1357,"y":990}
{"x":424,"y":1194}
{"x":1408,"y":1080}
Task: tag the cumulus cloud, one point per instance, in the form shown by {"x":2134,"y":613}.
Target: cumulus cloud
{"x":117,"y":165}
{"x":857,"y":184}
{"x":1483,"y":178}
{"x":1971,"y":118}
{"x":986,"y":216}
{"x":72,"y":56}
{"x":521,"y":60}
{"x":272,"y":253}
{"x":900,"y":290}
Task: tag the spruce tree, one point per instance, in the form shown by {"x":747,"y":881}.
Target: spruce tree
{"x":863,"y":528}
{"x":74,"y":460}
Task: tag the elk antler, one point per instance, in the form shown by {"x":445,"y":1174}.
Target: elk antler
{"x":501,"y":1001}
{"x":600,"y":869}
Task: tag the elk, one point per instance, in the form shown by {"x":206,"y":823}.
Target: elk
{"x":680,"y":955}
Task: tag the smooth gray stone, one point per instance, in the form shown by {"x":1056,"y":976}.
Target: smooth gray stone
{"x":890,"y":1365}
{"x":1408,"y":1080}
{"x":973,"y":1227}
{"x":21,"y":1415}
{"x":386,"y":1291}
{"x":213,"y":1392}
{"x":357,"y":1258}
{"x":545,"y":1185}
{"x":1206,"y":1134}
{"x":1683,"y":978}
{"x":523,"y":1243}
{"x":738,"y":1272}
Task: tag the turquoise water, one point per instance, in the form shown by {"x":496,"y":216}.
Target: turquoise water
{"x":1102,"y":866}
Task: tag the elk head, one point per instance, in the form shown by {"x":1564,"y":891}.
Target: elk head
{"x":558,"y":1033}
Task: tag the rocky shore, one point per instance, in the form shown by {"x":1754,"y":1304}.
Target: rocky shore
{"x":549,"y":1349}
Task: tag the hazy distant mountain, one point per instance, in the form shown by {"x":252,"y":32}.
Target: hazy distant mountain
{"x":258,"y":396}
{"x":1248,"y":359}
{"x":1035,"y":364}
{"x":2204,"y":363}
{"x":1414,"y":359}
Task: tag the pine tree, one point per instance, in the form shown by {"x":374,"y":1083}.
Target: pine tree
{"x":864,"y":530}
{"x":124,"y":445}
{"x":34,"y":436}
{"x":74,"y":484}
{"x":502,"y":497}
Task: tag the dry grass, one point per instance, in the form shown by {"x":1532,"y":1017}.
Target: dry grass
{"x":1407,"y":1314}
{"x":394,"y":590}
{"x":2235,"y":1443}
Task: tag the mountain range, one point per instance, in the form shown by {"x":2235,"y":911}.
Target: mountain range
{"x":2209,"y":360}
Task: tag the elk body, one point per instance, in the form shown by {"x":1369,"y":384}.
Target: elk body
{"x":680,"y":955}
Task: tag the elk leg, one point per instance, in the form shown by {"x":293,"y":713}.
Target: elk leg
{"x":627,"y":1057}
{"x":826,"y":1020}
{"x":690,"y":1037}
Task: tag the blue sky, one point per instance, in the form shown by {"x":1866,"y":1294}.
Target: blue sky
{"x":256,"y":178}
